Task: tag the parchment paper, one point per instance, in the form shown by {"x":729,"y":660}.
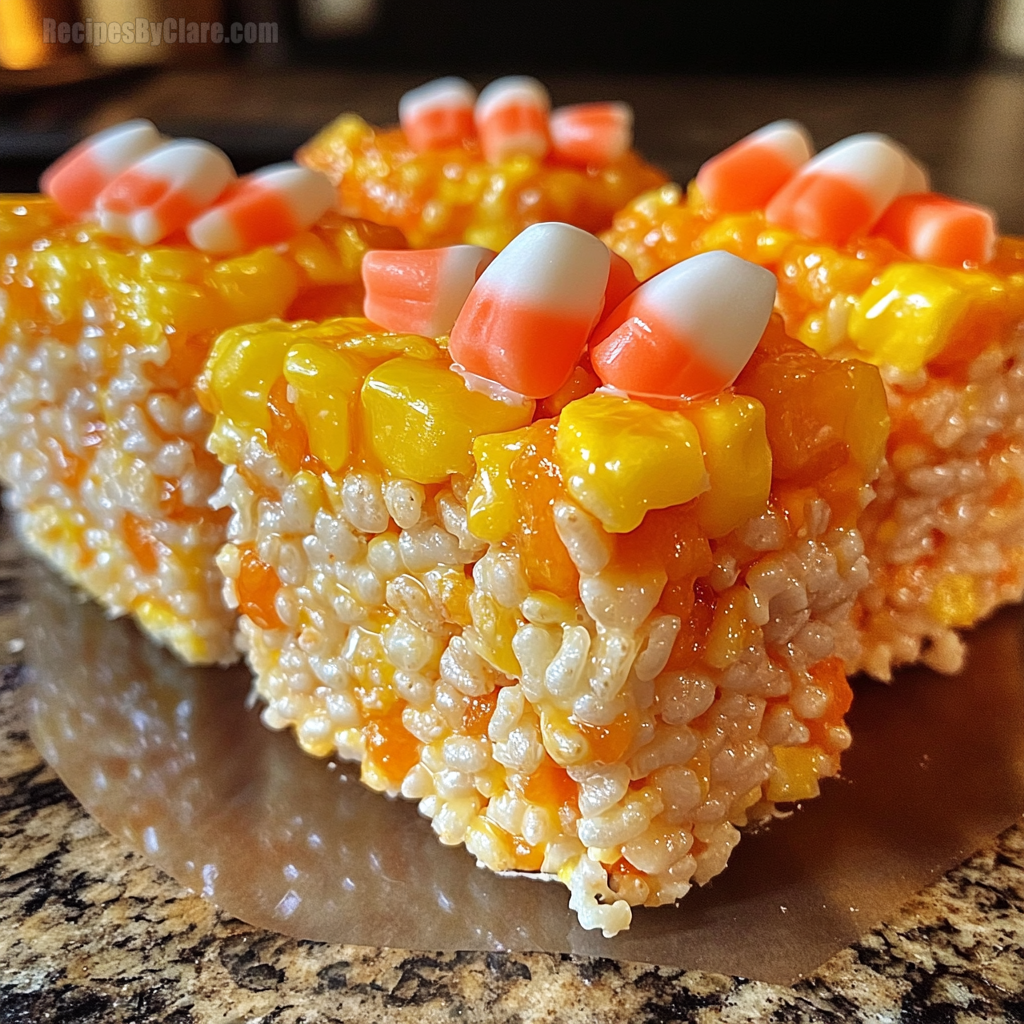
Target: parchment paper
{"x":171,"y":759}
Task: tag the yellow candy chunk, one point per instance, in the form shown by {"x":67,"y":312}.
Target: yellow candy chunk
{"x":257,"y":286}
{"x":795,"y":776}
{"x":491,"y":502}
{"x":954,"y":601}
{"x":495,"y":626}
{"x":24,"y":218}
{"x":324,"y":381}
{"x":245,"y":363}
{"x":738,"y":460}
{"x":421,"y":419}
{"x":621,"y":457}
{"x":909,"y":316}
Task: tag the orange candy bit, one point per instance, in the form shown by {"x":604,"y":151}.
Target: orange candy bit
{"x":937,"y":229}
{"x":257,"y":586}
{"x":390,"y":748}
{"x":537,"y":483}
{"x":141,"y":542}
{"x":549,"y":786}
{"x":695,"y":605}
{"x":819,"y":413}
{"x":287,"y":437}
{"x":608,"y":743}
{"x":477,"y":716}
{"x":831,"y":677}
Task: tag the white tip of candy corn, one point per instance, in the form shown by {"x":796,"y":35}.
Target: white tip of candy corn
{"x":165,"y":190}
{"x":747,"y":174}
{"x":421,"y":291}
{"x":843,"y":191}
{"x":688,"y":331}
{"x":526,"y":322}
{"x":263,"y":208}
{"x":512,"y":118}
{"x":592,"y":134}
{"x":77,"y":178}
{"x":438,"y":115}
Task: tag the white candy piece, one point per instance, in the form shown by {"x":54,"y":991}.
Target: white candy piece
{"x":164,"y":191}
{"x":77,"y":178}
{"x":268,"y":206}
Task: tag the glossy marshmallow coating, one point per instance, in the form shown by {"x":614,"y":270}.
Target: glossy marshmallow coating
{"x":688,"y":331}
{"x":526,"y":322}
{"x":421,"y":291}
{"x":75,"y":180}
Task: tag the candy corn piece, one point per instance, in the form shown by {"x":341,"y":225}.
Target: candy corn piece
{"x":747,"y":174}
{"x":423,"y":291}
{"x":592,"y":134}
{"x":77,"y":178}
{"x":937,"y":229}
{"x":872,"y":266}
{"x":444,"y":181}
{"x":528,"y":318}
{"x":264,"y":208}
{"x":512,"y":118}
{"x":687,"y":332}
{"x":843,"y":191}
{"x":164,"y":190}
{"x":438,"y":115}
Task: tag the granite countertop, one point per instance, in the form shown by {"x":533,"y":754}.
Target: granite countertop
{"x":89,"y":931}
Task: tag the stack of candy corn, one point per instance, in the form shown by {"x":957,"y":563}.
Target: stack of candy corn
{"x":872,"y":265}
{"x":115,"y":283}
{"x":479,"y":169}
{"x":577,"y":574}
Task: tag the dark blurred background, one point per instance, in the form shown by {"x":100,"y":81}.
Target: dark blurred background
{"x":945,"y":77}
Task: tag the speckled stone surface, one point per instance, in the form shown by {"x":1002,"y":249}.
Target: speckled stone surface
{"x":90,"y":932}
